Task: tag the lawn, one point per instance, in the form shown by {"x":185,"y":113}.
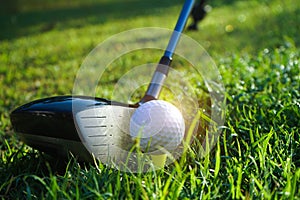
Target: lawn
{"x":255,"y":45}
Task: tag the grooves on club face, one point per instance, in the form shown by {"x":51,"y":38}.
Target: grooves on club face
{"x":48,"y":124}
{"x":104,"y":130}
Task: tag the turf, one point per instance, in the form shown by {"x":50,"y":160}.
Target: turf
{"x":255,"y":45}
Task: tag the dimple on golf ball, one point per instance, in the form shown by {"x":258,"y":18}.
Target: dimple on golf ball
{"x":158,"y":124}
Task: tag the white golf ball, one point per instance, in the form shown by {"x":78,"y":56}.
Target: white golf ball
{"x":158,"y":124}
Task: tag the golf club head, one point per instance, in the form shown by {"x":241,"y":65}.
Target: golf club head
{"x":52,"y":125}
{"x":88,"y":126}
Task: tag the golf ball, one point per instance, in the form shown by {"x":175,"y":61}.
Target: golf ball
{"x":158,"y":124}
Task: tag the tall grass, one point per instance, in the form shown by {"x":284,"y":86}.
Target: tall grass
{"x":256,"y":157}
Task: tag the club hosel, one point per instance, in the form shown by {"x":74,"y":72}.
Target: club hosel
{"x":154,"y":87}
{"x":156,"y":84}
{"x":164,"y":64}
{"x":158,"y":79}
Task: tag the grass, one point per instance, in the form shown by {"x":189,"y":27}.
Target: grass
{"x":255,"y":45}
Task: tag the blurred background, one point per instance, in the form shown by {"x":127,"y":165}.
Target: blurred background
{"x":230,"y":25}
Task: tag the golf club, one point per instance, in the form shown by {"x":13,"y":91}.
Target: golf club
{"x":86,"y":125}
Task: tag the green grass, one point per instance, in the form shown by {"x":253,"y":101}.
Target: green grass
{"x":257,"y":157}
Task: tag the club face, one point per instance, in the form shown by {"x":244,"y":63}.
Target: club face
{"x":104,"y":130}
{"x":48,"y":124}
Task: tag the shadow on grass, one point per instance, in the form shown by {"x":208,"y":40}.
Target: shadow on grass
{"x":22,"y":24}
{"x":34,"y":175}
{"x":23,"y":172}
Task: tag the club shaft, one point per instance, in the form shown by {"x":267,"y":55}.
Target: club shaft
{"x":181,"y":22}
{"x":162,"y":69}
